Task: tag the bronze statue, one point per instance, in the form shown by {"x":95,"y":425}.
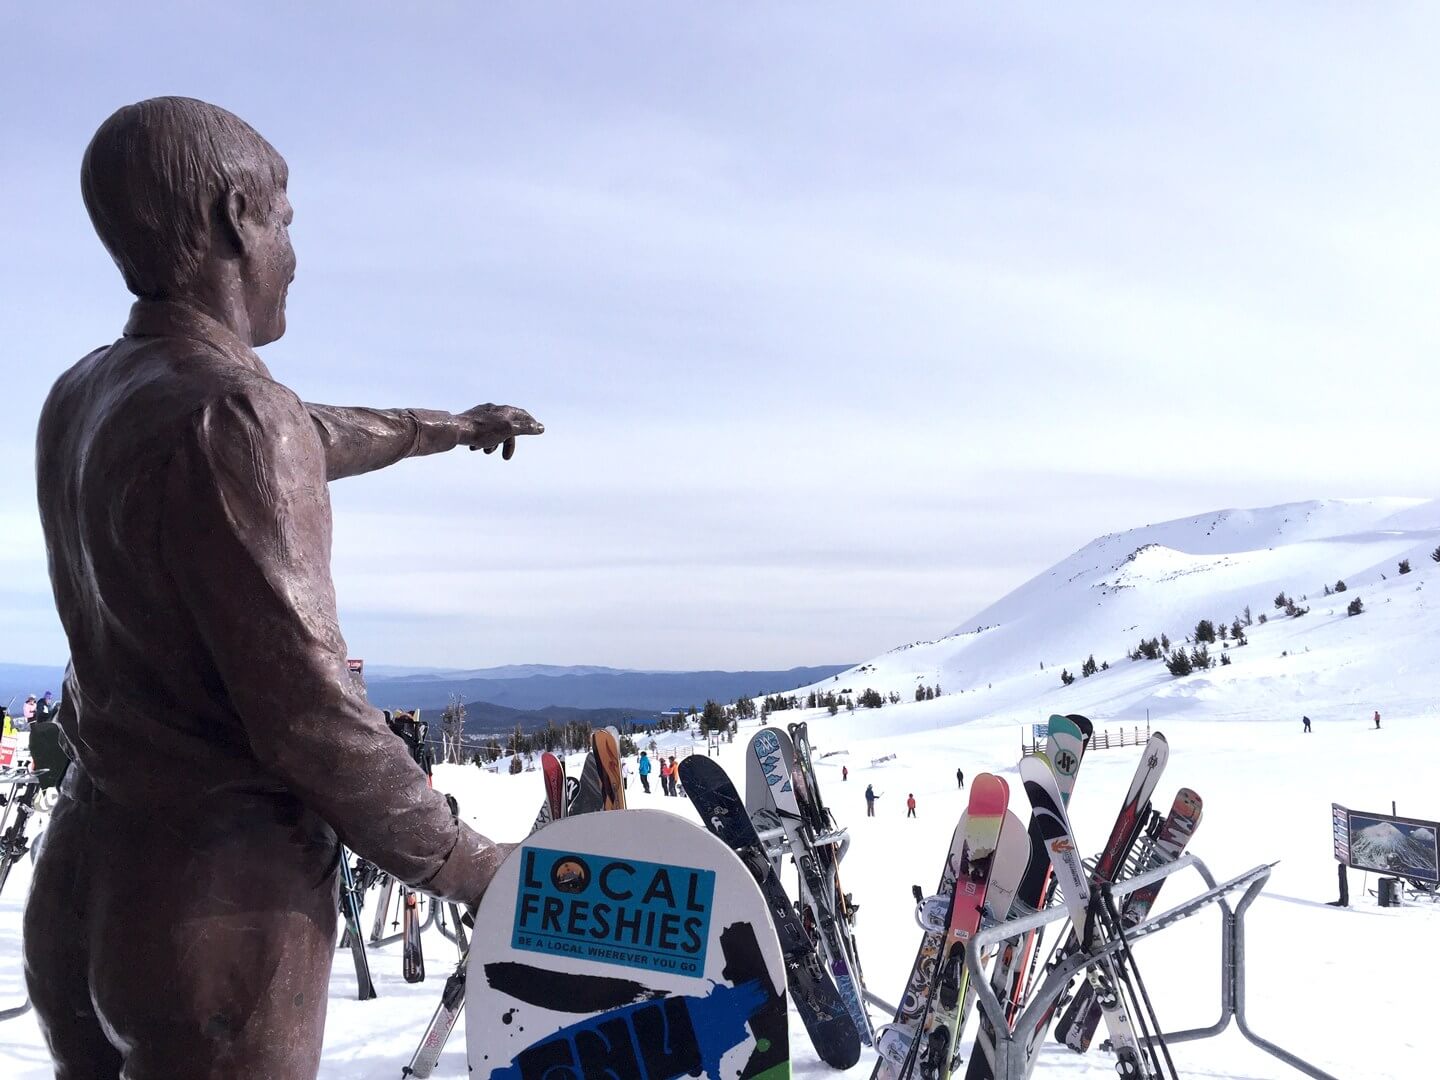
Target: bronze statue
{"x":182,"y":919}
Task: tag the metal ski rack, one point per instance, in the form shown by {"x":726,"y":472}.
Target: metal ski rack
{"x":1010,"y":1063}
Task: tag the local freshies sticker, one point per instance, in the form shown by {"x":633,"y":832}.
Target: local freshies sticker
{"x":615,"y":911}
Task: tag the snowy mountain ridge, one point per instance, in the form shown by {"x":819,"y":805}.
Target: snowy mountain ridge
{"x":1163,"y":579}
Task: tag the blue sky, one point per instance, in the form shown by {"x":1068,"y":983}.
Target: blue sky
{"x":844,"y":320}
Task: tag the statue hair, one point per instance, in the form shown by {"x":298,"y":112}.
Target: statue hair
{"x":155,"y":173}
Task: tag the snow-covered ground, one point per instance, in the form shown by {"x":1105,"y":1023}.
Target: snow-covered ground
{"x":1350,"y":990}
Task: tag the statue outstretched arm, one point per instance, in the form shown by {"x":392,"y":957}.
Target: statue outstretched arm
{"x":247,"y":541}
{"x":360,"y":440}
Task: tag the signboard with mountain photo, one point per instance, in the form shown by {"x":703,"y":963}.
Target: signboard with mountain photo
{"x":1405,"y":847}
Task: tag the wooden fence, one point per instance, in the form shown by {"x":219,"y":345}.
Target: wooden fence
{"x":1109,"y":739}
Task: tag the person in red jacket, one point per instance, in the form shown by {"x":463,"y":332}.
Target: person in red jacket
{"x":910,"y":805}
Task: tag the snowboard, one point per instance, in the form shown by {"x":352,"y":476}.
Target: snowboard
{"x":605,"y":746}
{"x":589,"y":794}
{"x":812,"y":990}
{"x":631,"y":945}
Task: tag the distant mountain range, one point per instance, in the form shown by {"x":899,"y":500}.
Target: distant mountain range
{"x":585,"y":688}
{"x":528,"y":694}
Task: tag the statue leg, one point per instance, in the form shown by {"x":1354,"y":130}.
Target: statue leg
{"x":57,"y":952}
{"x":210,"y":941}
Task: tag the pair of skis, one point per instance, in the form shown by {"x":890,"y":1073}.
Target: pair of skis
{"x":782,"y":796}
{"x":1077,"y":1027}
{"x":921,"y":1040}
{"x":1102,"y":987}
{"x":1014,"y":966}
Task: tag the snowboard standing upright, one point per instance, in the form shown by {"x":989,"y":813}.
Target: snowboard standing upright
{"x":633,"y":945}
{"x":812,"y":990}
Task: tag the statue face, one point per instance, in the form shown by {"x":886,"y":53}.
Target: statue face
{"x":270,"y":269}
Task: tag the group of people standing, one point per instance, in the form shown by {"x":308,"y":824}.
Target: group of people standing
{"x":35,"y":710}
{"x":669,"y":773}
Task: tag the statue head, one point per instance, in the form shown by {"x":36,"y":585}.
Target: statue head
{"x":190,"y":202}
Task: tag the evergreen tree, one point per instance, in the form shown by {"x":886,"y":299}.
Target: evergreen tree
{"x":1225,"y":659}
{"x":1204,"y":631}
{"x":1340,"y":586}
{"x":1089,"y":667}
{"x":1435,"y":555}
{"x":1248,"y":620}
{"x":1281,"y":600}
{"x":1179,"y":663}
{"x":871,"y":699}
{"x":1356,"y":607}
{"x":1066,"y":677}
{"x":1404,"y":566}
{"x":1164,"y":643}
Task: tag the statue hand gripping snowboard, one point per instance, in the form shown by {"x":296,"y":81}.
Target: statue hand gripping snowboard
{"x":631,"y":945}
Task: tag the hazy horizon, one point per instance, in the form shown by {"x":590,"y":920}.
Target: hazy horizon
{"x":843,"y":322}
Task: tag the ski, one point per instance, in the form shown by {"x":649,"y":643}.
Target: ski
{"x":1077,"y":1027}
{"x":350,"y":902}
{"x":816,"y":998}
{"x":935,"y":1048}
{"x":1128,"y":824}
{"x":1014,"y":966}
{"x":437,"y":1033}
{"x":828,"y":838}
{"x":772,"y":768}
{"x":893,"y":1040}
{"x":932,"y":913}
{"x":413,"y":953}
{"x":1049,"y":812}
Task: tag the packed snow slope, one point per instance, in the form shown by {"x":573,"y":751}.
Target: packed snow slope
{"x":1163,"y":579}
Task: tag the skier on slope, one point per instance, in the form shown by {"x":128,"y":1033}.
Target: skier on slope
{"x":910,"y":806}
{"x":960,"y":778}
{"x":870,"y":798}
{"x":1306,"y":720}
{"x":844,"y":772}
{"x":644,"y":771}
{"x":1377,"y":719}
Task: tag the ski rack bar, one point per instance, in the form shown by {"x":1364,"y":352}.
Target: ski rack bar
{"x":1010,"y":1061}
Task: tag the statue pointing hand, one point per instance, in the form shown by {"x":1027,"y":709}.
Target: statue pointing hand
{"x":182,"y":917}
